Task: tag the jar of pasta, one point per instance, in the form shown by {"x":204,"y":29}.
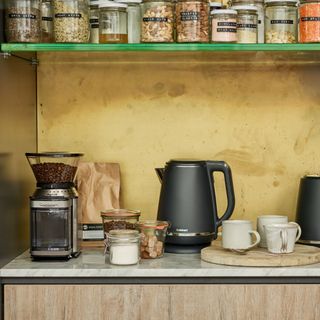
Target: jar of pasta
{"x":157,"y":21}
{"x":22,"y":21}
{"x":192,"y":18}
{"x":247,"y":23}
{"x":281,"y":21}
{"x":71,"y":21}
{"x":309,"y":26}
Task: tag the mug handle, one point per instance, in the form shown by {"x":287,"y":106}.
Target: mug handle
{"x":299,"y":230}
{"x":258,"y":238}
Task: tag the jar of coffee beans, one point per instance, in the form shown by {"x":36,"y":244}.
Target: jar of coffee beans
{"x":22,"y":19}
{"x":71,"y":21}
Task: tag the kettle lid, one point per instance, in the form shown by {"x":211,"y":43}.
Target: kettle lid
{"x":191,"y":162}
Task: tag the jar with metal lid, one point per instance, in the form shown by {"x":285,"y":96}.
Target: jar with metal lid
{"x":71,"y":21}
{"x":113,"y":22}
{"x":134,"y":19}
{"x":309,"y":25}
{"x":192,"y":20}
{"x":281,"y":21}
{"x":247,"y":23}
{"x":224,"y":25}
{"x":22,"y":20}
{"x":157,"y":23}
{"x":94,"y":21}
{"x":124,"y":247}
{"x":46,"y":21}
{"x":259,"y":4}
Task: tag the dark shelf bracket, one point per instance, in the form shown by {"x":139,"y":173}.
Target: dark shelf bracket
{"x":32,"y":61}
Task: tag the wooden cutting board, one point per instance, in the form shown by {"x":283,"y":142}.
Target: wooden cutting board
{"x":260,"y":257}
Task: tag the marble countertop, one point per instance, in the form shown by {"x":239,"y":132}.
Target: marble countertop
{"x":93,"y":263}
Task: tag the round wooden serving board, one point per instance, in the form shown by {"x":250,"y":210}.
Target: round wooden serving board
{"x":260,"y":257}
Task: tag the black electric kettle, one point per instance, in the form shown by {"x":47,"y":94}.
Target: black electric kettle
{"x":188,"y":202}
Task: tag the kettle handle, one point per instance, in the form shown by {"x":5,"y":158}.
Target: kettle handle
{"x":223,"y":167}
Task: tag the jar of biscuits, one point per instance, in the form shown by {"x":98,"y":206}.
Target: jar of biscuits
{"x":192,"y":20}
{"x":153,"y":234}
{"x":157,"y":21}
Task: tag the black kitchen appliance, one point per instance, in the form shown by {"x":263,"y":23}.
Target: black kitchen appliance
{"x":53,"y":206}
{"x":188,"y":202}
{"x":308,"y":210}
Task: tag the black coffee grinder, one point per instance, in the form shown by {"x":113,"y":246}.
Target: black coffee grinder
{"x":53,"y":206}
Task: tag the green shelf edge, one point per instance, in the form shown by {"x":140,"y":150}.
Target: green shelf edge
{"x":14,"y":47}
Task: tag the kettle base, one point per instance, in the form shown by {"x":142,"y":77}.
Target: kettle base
{"x":174,"y":248}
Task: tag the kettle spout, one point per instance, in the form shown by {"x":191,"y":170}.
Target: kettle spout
{"x":159,"y":172}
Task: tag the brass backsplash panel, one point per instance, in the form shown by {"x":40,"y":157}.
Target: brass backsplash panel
{"x":262,"y":118}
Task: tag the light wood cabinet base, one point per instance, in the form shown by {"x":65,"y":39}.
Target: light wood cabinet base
{"x":152,"y":302}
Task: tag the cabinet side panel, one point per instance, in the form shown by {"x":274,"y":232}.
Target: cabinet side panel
{"x":17,"y":136}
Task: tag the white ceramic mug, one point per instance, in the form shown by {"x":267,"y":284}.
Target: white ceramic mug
{"x":265,"y":220}
{"x":281,"y":238}
{"x":237,"y":234}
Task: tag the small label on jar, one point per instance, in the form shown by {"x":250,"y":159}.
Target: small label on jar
{"x":247,"y":25}
{"x":310,"y":19}
{"x":47,"y":19}
{"x":227,"y":24}
{"x":227,"y":30}
{"x":190,"y":15}
{"x":22,"y":16}
{"x":68,"y":15}
{"x":281,"y":21}
{"x":94,"y":23}
{"x":155,"y":19}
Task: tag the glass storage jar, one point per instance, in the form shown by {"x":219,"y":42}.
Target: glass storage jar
{"x":71,"y":21}
{"x":46,"y":21}
{"x":259,"y":4}
{"x":134,"y":19}
{"x":22,"y":18}
{"x":192,"y":18}
{"x":124,"y":247}
{"x":113,"y":22}
{"x":281,"y":21}
{"x":157,"y":23}
{"x":224,"y":25}
{"x":1,"y":22}
{"x":247,"y":23}
{"x":309,"y":25}
{"x":94,"y":21}
{"x":153,"y":235}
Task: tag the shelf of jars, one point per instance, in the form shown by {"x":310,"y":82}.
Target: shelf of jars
{"x":174,"y":47}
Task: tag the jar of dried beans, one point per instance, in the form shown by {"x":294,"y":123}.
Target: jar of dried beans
{"x":192,"y":20}
{"x":281,"y":21}
{"x":113,"y":22}
{"x":23,"y":20}
{"x":157,"y":21}
{"x":247,"y":23}
{"x":309,"y":26}
{"x":71,"y":21}
{"x":224,"y":25}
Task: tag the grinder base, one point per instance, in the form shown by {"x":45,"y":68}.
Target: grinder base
{"x":173,"y":248}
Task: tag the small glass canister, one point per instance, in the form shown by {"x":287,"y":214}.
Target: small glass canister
{"x":309,"y":26}
{"x":134,"y":19}
{"x":113,"y":22}
{"x":259,"y":4}
{"x":157,"y":21}
{"x":281,"y":21}
{"x":153,"y":235}
{"x":247,"y":23}
{"x":71,"y":21}
{"x":23,"y":18}
{"x":46,"y":21}
{"x":224,"y":26}
{"x":124,"y":247}
{"x":94,"y":21}
{"x":192,"y":21}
